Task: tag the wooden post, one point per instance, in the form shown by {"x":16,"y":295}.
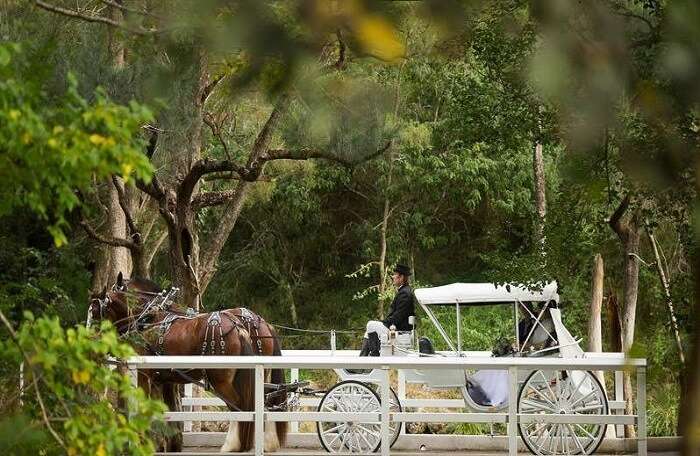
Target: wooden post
{"x":259,"y":410}
{"x":595,"y":336}
{"x":513,"y":412}
{"x":294,"y":377}
{"x":384,"y":427}
{"x":642,"y":411}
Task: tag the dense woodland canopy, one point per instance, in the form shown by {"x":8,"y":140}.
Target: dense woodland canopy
{"x":283,"y":156}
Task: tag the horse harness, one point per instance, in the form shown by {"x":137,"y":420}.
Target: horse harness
{"x":251,"y":322}
{"x":214,"y":323}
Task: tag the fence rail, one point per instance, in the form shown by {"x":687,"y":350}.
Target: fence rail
{"x":322,"y":360}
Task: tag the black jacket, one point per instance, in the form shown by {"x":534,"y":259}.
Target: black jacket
{"x":401,"y":308}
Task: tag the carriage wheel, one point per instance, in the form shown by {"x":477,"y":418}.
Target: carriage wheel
{"x":562,"y":392}
{"x":354,"y":436}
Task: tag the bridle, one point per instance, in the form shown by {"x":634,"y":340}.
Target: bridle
{"x":160,"y":301}
{"x":102,"y":303}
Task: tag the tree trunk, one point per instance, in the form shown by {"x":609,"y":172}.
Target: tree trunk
{"x":109,"y":261}
{"x":614,"y":331}
{"x":121,"y":257}
{"x":181,"y":148}
{"x":230,"y":214}
{"x":184,"y":256}
{"x":382,"y":260}
{"x":595,"y":336}
{"x":292,"y":303}
{"x":667,"y":292}
{"x":628,"y":232}
{"x":540,"y":196}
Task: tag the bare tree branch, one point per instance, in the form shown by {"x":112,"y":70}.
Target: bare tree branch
{"x":216,"y":131}
{"x":209,"y":88}
{"x":91,"y":18}
{"x":233,"y":177}
{"x":114,"y":242}
{"x":134,"y":232}
{"x":622,"y":229}
{"x":305,"y":154}
{"x":207,"y":199}
{"x":153,"y":188}
{"x":129,"y":10}
{"x":207,"y":166}
{"x":152,"y":249}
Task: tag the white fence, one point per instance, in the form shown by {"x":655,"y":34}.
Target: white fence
{"x":321,"y":360}
{"x":615,"y":393}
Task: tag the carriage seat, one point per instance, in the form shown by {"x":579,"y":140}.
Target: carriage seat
{"x":404,"y":339}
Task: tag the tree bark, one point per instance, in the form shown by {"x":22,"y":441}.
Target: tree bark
{"x":231,"y":212}
{"x":595,"y":336}
{"x":110,"y":260}
{"x":667,"y":293}
{"x":614,"y":331}
{"x":628,"y":232}
{"x":382,"y":259}
{"x":121,"y":258}
{"x":540,"y":196}
{"x":181,"y":149}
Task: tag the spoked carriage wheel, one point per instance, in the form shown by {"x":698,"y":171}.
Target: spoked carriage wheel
{"x":354,"y":436}
{"x":562,"y":392}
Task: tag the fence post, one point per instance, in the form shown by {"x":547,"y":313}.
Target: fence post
{"x":332,"y":341}
{"x":513,"y":411}
{"x":259,"y":410}
{"x":294,"y":377}
{"x":619,"y":396}
{"x":187,"y":426}
{"x":641,"y":411}
{"x":134,"y":376}
{"x":402,"y":393}
{"x":386,"y":440}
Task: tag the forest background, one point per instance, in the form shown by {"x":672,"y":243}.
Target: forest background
{"x":283,"y":156}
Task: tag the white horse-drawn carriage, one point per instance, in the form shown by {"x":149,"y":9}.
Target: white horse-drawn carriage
{"x":539,"y":331}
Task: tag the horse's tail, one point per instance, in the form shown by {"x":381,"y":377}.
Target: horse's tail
{"x":244,"y":384}
{"x":277,"y":377}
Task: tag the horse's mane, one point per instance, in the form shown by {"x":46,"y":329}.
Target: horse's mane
{"x":145,"y":284}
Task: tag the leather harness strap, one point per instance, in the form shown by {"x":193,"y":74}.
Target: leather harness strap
{"x":251,"y":322}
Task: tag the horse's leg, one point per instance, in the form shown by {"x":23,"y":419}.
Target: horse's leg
{"x":232,"y":442}
{"x":222,"y":381}
{"x":272,"y":442}
{"x":173,"y":399}
{"x":277,"y":377}
{"x":152,"y":392}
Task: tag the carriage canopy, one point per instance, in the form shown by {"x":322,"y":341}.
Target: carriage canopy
{"x":484,"y":294}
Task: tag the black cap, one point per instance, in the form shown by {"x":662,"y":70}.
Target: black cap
{"x":402,"y":269}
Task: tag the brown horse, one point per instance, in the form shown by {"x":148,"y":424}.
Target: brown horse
{"x":139,"y":305}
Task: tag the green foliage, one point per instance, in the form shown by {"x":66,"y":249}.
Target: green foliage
{"x":20,"y":435}
{"x":69,"y":369}
{"x":664,"y":404}
{"x":52,"y":148}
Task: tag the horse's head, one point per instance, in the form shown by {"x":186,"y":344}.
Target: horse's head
{"x":119,"y":305}
{"x":106,"y":305}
